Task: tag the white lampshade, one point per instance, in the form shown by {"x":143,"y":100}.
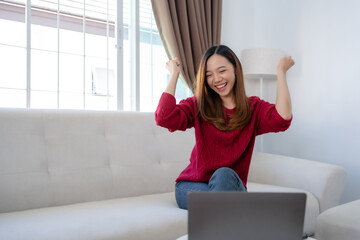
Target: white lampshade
{"x":260,"y":62}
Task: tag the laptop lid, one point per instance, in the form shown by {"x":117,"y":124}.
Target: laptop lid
{"x":247,"y":216}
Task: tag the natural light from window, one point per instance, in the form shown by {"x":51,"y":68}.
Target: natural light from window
{"x":73,"y":56}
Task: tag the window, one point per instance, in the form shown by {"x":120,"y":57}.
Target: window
{"x":66,"y":54}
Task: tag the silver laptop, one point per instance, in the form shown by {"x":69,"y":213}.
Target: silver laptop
{"x":245,"y":216}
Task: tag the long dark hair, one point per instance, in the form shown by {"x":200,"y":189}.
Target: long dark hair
{"x":210,"y":107}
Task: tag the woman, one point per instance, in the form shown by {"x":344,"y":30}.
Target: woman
{"x":226,"y":121}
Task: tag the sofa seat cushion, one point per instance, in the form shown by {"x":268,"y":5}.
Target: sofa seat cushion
{"x":312,"y":209}
{"x":146,"y":217}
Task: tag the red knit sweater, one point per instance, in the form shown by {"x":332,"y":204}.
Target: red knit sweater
{"x":214,"y":148}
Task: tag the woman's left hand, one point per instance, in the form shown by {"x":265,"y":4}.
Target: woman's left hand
{"x":285,"y":63}
{"x":283,"y":101}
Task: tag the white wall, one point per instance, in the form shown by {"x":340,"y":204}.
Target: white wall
{"x":323,"y":37}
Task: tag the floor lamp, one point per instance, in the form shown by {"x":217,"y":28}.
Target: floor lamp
{"x":260,"y":64}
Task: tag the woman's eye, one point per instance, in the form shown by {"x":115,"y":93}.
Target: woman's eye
{"x":222,"y":71}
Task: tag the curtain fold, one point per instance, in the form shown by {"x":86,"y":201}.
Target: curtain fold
{"x":187,"y":28}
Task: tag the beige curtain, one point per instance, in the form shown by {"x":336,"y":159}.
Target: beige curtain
{"x":187,"y":28}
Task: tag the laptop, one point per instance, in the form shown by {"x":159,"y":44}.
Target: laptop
{"x":246,"y":216}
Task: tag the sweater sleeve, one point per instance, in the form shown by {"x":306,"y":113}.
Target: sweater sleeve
{"x":267,"y":117}
{"x":175,"y":116}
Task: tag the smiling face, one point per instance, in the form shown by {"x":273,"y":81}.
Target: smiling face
{"x":220,"y":76}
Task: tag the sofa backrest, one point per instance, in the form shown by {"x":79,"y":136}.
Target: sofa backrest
{"x":58,"y":157}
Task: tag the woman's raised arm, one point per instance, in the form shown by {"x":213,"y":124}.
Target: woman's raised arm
{"x":173,"y":66}
{"x":283,"y":100}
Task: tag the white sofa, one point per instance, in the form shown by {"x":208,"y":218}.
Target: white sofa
{"x":69,"y":174}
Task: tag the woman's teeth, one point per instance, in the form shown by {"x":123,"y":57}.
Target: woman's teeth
{"x":221,"y":86}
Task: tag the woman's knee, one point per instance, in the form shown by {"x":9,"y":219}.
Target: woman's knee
{"x":225,"y":174}
{"x":226,"y":179}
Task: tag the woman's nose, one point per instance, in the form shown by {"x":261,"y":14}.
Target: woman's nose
{"x":217,"y":77}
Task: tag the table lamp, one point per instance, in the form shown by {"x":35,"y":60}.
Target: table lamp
{"x":260,"y":63}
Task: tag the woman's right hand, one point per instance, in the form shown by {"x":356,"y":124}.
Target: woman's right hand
{"x":173,"y":66}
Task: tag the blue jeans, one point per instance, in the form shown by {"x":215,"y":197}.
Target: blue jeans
{"x":223,"y":179}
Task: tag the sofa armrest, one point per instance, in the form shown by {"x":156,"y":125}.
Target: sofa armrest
{"x":325,"y":181}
